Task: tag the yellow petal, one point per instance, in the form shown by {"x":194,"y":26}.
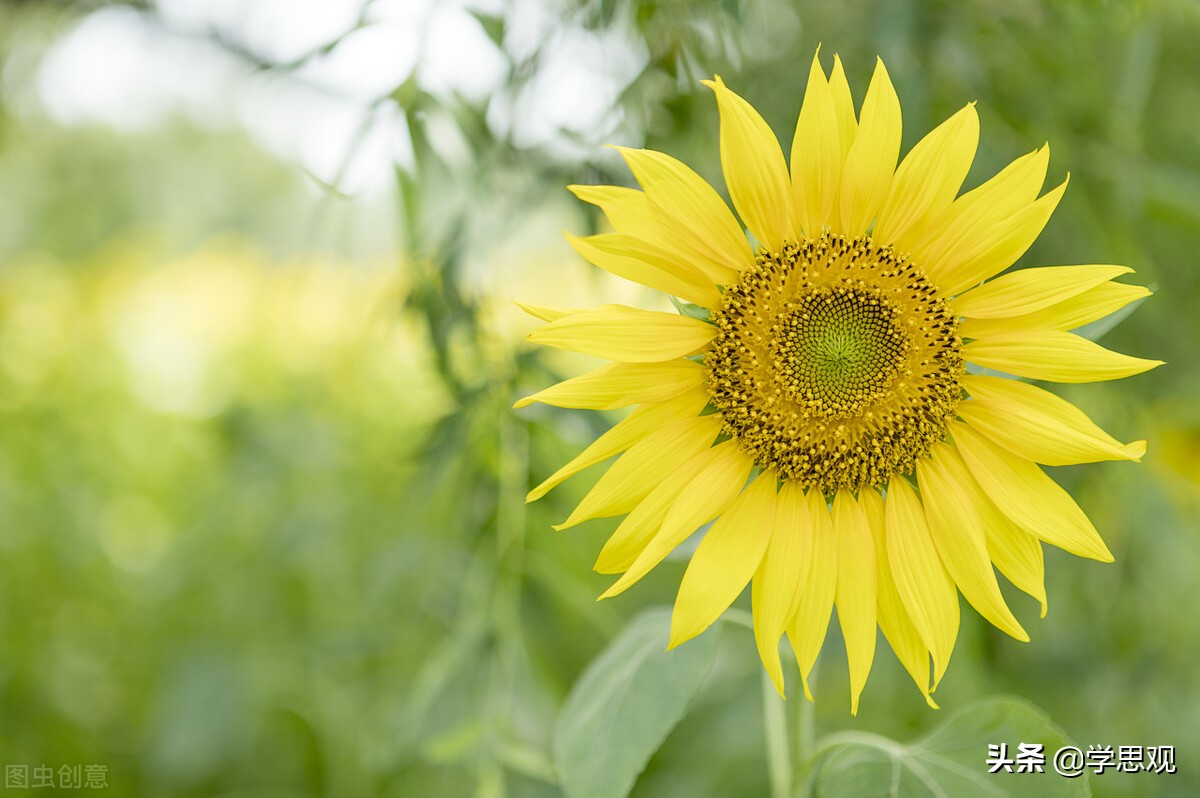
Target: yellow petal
{"x":1054,"y":356}
{"x":816,"y":154}
{"x":1070,"y":314}
{"x":981,"y":209}
{"x":856,"y":586}
{"x":958,"y":534}
{"x":632,"y":213}
{"x":544,"y":313}
{"x":1037,"y":425}
{"x":620,"y":385}
{"x":640,"y":423}
{"x":619,"y":332}
{"x":1087,"y":307}
{"x":1030,"y":498}
{"x":806,"y":631}
{"x":1017,"y":554}
{"x":635,"y":260}
{"x":921,"y":580}
{"x":725,"y":560}
{"x":775,"y":591}
{"x":647,"y":463}
{"x":1027,"y":290}
{"x":692,"y":202}
{"x":640,"y":526}
{"x":893,"y":618}
{"x":871,"y":161}
{"x":993,"y":250}
{"x":843,"y":104}
{"x":705,"y":497}
{"x":928,"y":179}
{"x":755,"y":172}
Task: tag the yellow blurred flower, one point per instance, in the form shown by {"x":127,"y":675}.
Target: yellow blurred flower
{"x":186,"y":335}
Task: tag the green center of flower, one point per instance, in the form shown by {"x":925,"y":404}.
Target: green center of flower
{"x":835,"y":363}
{"x":838,"y":349}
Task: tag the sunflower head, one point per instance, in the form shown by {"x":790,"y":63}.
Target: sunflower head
{"x":827,"y":408}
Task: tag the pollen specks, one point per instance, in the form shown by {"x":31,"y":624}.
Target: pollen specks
{"x":835,"y":363}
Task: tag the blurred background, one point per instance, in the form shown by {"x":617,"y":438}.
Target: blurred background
{"x":261,"y":489}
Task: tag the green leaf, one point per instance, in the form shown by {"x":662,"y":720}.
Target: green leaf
{"x":492,"y":25}
{"x":625,"y":704}
{"x":526,"y":759}
{"x":1097,"y":329}
{"x":691,"y":310}
{"x":951,"y":760}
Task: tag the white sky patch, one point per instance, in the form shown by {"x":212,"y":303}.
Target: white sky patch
{"x":367,"y":64}
{"x":275,"y":30}
{"x":530,"y":23}
{"x":119,"y":67}
{"x":570,"y":106}
{"x":458,"y":57}
{"x":340,"y":142}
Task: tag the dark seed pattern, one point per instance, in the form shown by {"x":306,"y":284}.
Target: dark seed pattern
{"x":835,"y":363}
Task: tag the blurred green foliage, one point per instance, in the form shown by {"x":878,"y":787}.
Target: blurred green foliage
{"x":264,"y":529}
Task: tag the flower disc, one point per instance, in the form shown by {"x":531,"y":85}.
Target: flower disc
{"x":835,"y":364}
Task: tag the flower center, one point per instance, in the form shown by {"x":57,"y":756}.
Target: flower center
{"x":835,"y":363}
{"x":838,"y":348}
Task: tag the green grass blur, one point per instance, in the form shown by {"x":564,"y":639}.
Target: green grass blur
{"x":262,"y":520}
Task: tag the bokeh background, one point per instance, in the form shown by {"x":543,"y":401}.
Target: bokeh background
{"x":261,"y":489}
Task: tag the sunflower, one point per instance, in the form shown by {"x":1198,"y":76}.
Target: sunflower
{"x":822,"y":393}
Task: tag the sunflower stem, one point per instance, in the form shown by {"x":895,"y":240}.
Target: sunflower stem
{"x":779,"y":760}
{"x":805,"y":750}
{"x":806,"y":728}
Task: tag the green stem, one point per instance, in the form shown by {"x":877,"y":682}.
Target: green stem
{"x":804,"y":753}
{"x":779,"y":761}
{"x":506,"y":605}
